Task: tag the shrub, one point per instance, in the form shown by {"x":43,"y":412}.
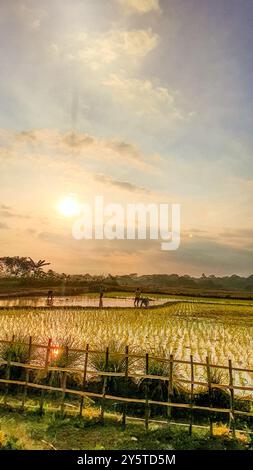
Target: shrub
{"x":158,"y":389}
{"x":61,"y":356}
{"x":116,"y":363}
{"x":16,"y":352}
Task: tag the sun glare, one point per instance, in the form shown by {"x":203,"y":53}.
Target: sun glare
{"x":69,"y":206}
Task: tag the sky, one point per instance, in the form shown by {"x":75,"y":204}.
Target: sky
{"x":145,"y":101}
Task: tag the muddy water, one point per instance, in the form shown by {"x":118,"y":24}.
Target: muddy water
{"x":74,"y":301}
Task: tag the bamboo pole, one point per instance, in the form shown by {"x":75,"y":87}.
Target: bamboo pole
{"x":64,"y":383}
{"x":140,"y":356}
{"x":104,"y":386}
{"x":84,"y":377}
{"x":146,"y":393}
{"x":127,"y":400}
{"x":46,"y":372}
{"x":126,"y":387}
{"x":132,"y":375}
{"x":209,"y":393}
{"x":170,"y":386}
{"x":192,"y":394}
{"x":232,"y":397}
{"x":8,"y":370}
{"x":27,"y":374}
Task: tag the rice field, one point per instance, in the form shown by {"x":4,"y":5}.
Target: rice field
{"x":182,"y":328}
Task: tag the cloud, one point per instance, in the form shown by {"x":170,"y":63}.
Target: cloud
{"x":140,"y":6}
{"x":237,"y":233}
{"x":71,"y":148}
{"x":125,"y":185}
{"x":194,"y":255}
{"x":53,"y":237}
{"x":3,"y":226}
{"x":99,"y":49}
{"x":215,"y":257}
{"x":4,"y":207}
{"x":80,"y":141}
{"x":143,"y":96}
{"x":26,"y":13}
{"x":8,"y":212}
{"x":31,"y":16}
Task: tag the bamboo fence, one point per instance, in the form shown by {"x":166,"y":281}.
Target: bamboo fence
{"x":48,"y":366}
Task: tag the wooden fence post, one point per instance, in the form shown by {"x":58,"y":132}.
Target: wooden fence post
{"x":64,"y":382}
{"x":210,"y":394}
{"x":146,"y":395}
{"x":46,"y":373}
{"x":104,"y":386}
{"x":170,"y":387}
{"x":84,"y":377}
{"x":8,"y":369}
{"x":232,"y":399}
{"x":126,"y":387}
{"x":192,"y":395}
{"x":27,"y":374}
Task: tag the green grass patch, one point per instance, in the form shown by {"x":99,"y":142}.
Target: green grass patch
{"x":28,"y":430}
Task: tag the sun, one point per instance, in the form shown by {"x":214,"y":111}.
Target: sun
{"x":69,"y":206}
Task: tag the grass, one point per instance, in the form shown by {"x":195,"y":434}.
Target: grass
{"x":30,"y":431}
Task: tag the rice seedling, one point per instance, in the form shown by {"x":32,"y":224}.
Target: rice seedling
{"x":218,"y":330}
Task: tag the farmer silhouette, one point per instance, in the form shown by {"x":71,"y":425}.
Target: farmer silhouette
{"x":101,"y":295}
{"x":137,"y":297}
{"x":50,"y":297}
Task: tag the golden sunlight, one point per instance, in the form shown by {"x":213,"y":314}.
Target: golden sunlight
{"x":69,"y":206}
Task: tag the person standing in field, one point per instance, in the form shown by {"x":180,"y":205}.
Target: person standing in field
{"x":101,"y":295}
{"x":50,"y":297}
{"x":137,"y":297}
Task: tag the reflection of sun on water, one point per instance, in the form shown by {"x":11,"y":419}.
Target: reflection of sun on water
{"x":69,"y":206}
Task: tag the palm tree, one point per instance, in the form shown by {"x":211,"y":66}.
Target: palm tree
{"x":36,"y":267}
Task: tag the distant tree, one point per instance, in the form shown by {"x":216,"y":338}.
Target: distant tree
{"x":15,"y":266}
{"x":52,"y":274}
{"x":37,"y":267}
{"x":20,"y":266}
{"x":87,"y":277}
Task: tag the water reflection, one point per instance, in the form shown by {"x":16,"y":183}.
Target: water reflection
{"x":74,"y":301}
{"x":49,"y":302}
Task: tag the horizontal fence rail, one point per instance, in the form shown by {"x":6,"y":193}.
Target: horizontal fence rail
{"x":46,"y":365}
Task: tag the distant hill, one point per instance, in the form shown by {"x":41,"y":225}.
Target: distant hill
{"x":227,"y":286}
{"x":175,"y":282}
